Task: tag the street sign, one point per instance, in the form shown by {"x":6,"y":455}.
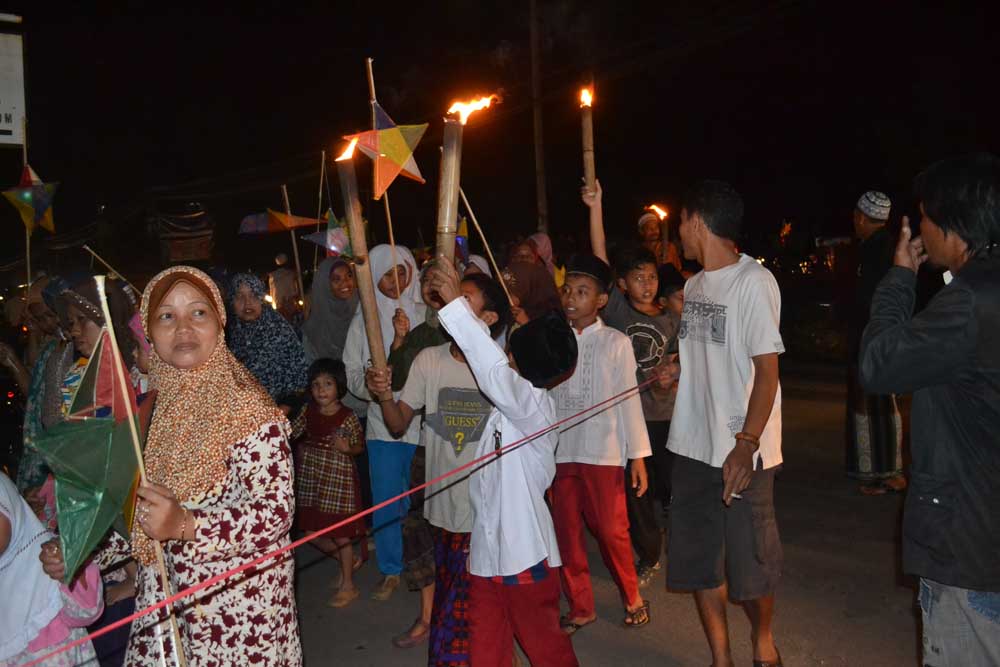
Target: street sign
{"x":12,"y":109}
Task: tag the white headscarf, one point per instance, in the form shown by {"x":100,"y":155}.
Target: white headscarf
{"x":380,"y":259}
{"x":30,"y":598}
{"x":481,"y":263}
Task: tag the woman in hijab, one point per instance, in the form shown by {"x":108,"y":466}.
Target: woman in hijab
{"x":220,"y":491}
{"x":389,"y":457}
{"x":39,"y":613}
{"x":264,"y":341}
{"x":478,"y":264}
{"x":534,"y":289}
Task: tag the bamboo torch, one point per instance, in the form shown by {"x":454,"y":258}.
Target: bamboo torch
{"x":362,"y":269}
{"x":661,"y":213}
{"x":451,"y":167}
{"x":120,"y":378}
{"x":587,"y":116}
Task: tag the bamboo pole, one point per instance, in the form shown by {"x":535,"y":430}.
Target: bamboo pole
{"x":161,"y":562}
{"x":448,"y":186}
{"x":587,"y":126}
{"x":27,"y":229}
{"x":319,"y":208}
{"x":295,"y":244}
{"x":362,"y":267}
{"x":489,"y":252}
{"x":385,"y":195}
{"x":113,"y":270}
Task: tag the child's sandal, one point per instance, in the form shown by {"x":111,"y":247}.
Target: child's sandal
{"x":639,"y":617}
{"x":343,"y":598}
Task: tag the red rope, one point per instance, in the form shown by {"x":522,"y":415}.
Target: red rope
{"x":187,"y":592}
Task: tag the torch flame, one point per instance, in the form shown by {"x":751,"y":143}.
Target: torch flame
{"x":661,"y":212}
{"x":349,"y":151}
{"x":465,"y":109}
{"x":586,"y":97}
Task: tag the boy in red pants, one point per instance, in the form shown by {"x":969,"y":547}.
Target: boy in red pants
{"x":514,"y":589}
{"x":589,"y":486}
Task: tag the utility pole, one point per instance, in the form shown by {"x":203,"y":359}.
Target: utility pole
{"x":542,"y":204}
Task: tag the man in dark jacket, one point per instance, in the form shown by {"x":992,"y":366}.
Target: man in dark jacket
{"x":948,"y":355}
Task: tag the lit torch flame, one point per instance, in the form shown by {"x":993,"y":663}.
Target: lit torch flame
{"x":586,"y":97}
{"x":349,"y":151}
{"x":465,"y":109}
{"x":661,"y":212}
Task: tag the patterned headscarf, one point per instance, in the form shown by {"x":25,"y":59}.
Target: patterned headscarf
{"x":200,"y":412}
{"x":268,"y":346}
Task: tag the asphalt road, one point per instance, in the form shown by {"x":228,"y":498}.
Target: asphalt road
{"x":842,"y":601}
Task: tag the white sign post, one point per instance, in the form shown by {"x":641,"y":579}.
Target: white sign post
{"x":12,"y":109}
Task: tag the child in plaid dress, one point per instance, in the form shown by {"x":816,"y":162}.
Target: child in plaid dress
{"x":327,"y":487}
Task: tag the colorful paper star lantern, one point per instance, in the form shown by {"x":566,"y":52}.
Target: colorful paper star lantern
{"x":33,"y":200}
{"x":391,"y":147}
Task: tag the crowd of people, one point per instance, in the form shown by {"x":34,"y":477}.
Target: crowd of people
{"x":666,"y":387}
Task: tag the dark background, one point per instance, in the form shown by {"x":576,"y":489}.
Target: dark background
{"x":801,"y":105}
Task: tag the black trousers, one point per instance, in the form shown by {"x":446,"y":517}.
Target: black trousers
{"x":644,"y":528}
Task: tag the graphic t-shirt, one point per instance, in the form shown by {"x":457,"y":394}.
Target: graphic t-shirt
{"x":653,"y":338}
{"x":730,"y":316}
{"x":454,"y":419}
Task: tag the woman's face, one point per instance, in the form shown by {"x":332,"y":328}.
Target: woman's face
{"x":184,"y":328}
{"x":387,"y":283}
{"x":247,"y":305}
{"x":84,"y":331}
{"x":524,"y":252}
{"x":342,"y":283}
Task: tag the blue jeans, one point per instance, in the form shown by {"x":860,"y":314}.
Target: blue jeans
{"x":389,"y":466}
{"x":961,"y":627}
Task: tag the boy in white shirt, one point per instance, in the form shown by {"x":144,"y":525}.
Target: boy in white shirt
{"x":513,"y":591}
{"x":593,"y":449}
{"x":726,"y":428}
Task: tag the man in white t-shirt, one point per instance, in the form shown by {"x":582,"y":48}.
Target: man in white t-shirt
{"x":726,"y":428}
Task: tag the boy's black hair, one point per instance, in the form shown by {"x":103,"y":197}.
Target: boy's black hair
{"x":591,"y":266}
{"x":719,"y":205}
{"x":545,"y":350}
{"x":961,"y":195}
{"x":671,"y":280}
{"x":494,"y":299}
{"x":332,"y":367}
{"x":630,"y":257}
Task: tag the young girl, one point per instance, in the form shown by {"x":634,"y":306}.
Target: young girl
{"x":326,"y":480}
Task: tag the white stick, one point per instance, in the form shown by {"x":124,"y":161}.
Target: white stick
{"x":489,"y":253}
{"x":123,"y":388}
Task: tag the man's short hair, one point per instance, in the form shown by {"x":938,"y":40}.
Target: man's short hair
{"x":719,"y":205}
{"x":961,"y":195}
{"x":494,"y":300}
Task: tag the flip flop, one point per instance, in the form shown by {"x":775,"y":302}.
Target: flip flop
{"x":344,"y":598}
{"x":570,"y":627}
{"x":637,"y":618}
{"x":406,"y":640}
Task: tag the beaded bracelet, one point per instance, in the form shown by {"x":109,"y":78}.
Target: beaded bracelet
{"x":184,"y":520}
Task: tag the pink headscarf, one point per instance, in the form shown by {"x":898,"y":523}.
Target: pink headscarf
{"x":543,"y":246}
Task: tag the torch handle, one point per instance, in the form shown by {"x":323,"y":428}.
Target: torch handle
{"x":362,"y":269}
{"x":589,"y":170}
{"x":448,"y":186}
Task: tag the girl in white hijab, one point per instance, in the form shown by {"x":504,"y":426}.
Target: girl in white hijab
{"x":389,"y":457}
{"x":38,"y":613}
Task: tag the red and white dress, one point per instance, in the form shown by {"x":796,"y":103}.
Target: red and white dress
{"x":249,"y":619}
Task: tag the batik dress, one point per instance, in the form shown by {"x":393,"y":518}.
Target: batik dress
{"x":249,"y":619}
{"x":327,"y":486}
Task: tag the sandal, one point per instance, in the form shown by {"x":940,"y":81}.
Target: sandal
{"x":766,"y":663}
{"x":343,"y":598}
{"x":570,"y":627}
{"x":408,"y":639}
{"x":638,"y":617}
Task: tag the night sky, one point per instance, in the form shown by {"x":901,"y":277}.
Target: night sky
{"x":802,"y":106}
